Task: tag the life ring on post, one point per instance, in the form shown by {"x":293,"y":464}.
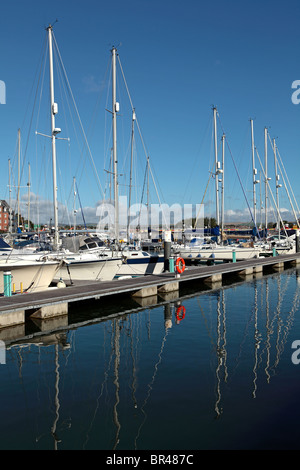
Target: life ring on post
{"x":180,"y":313}
{"x":180,"y":265}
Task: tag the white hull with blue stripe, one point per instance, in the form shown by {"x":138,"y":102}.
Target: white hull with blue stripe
{"x":140,"y":263}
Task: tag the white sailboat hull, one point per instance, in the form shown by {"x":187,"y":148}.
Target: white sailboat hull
{"x":280,"y":250}
{"x":90,"y":269}
{"x":28,"y":276}
{"x":220,"y":253}
{"x":141,"y":266}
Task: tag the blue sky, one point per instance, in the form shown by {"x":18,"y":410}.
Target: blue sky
{"x":179,"y":59}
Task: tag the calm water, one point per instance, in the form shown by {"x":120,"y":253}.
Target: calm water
{"x":220,"y":376}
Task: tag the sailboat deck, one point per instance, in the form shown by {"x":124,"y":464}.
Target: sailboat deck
{"x":86,"y":290}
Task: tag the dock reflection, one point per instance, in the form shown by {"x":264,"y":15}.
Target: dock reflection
{"x":122,"y":364}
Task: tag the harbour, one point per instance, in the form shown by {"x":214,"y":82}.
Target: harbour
{"x":54,"y":301}
{"x":100,"y":378}
{"x":149,"y":229}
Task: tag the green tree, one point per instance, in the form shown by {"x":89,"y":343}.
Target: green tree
{"x":210,"y":222}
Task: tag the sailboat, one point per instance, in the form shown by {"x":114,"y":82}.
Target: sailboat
{"x":72,"y":265}
{"x":283,"y":244}
{"x":212,"y":251}
{"x":87,"y":266}
{"x":200,"y":250}
{"x":30,"y":275}
{"x":136,"y":262}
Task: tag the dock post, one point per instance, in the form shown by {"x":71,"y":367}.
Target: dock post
{"x":274,"y":251}
{"x":297,"y":241}
{"x":9,"y":319}
{"x":171,"y":264}
{"x":233,"y":256}
{"x":50,"y":311}
{"x":7,"y":283}
{"x":167,"y":250}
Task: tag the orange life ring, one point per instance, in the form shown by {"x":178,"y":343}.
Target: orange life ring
{"x":180,"y":265}
{"x":180,"y":313}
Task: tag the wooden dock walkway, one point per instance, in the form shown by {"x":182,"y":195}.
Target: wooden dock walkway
{"x":54,"y":301}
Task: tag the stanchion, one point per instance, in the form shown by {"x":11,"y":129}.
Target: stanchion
{"x":7,"y":283}
{"x":167,"y":250}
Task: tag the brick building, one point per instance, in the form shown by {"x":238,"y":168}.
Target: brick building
{"x":4,"y":216}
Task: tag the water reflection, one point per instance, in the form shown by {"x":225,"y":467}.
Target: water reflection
{"x":123,"y":364}
{"x":221,"y":350}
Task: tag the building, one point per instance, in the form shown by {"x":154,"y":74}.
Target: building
{"x":4,"y":216}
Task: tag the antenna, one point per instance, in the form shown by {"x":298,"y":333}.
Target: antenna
{"x":52,"y":24}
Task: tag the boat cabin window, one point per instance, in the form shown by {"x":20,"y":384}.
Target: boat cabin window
{"x":93,"y":240}
{"x":92,"y":245}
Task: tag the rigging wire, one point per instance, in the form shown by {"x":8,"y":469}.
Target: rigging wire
{"x":139,"y":130}
{"x":270,"y":191}
{"x":82,"y":213}
{"x":278,"y":209}
{"x":62,"y":88}
{"x":296,"y":218}
{"x":243,"y":190}
{"x":30,"y":123}
{"x":37,"y":74}
{"x":79,"y":119}
{"x":193,"y":167}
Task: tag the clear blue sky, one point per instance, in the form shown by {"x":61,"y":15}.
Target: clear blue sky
{"x":179,"y":59}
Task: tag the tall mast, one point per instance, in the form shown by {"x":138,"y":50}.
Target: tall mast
{"x":74,"y":203}
{"x":9,"y":184}
{"x":130,"y":178}
{"x":28,"y":208}
{"x":277,"y":187}
{"x":223,"y":195}
{"x":266,"y":179}
{"x":115,"y":109}
{"x":54,"y":131}
{"x":19,"y":158}
{"x":148,"y":206}
{"x":216,"y":167}
{"x":260,"y":199}
{"x":254,"y":172}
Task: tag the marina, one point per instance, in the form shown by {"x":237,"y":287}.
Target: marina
{"x":55,"y":301}
{"x":99,"y":378}
{"x":149,"y":229}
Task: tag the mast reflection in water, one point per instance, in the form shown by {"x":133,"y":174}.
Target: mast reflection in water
{"x":208,"y":370}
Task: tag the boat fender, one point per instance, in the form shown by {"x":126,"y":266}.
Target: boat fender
{"x":180,"y":313}
{"x":180,"y":265}
{"x":61,"y":284}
